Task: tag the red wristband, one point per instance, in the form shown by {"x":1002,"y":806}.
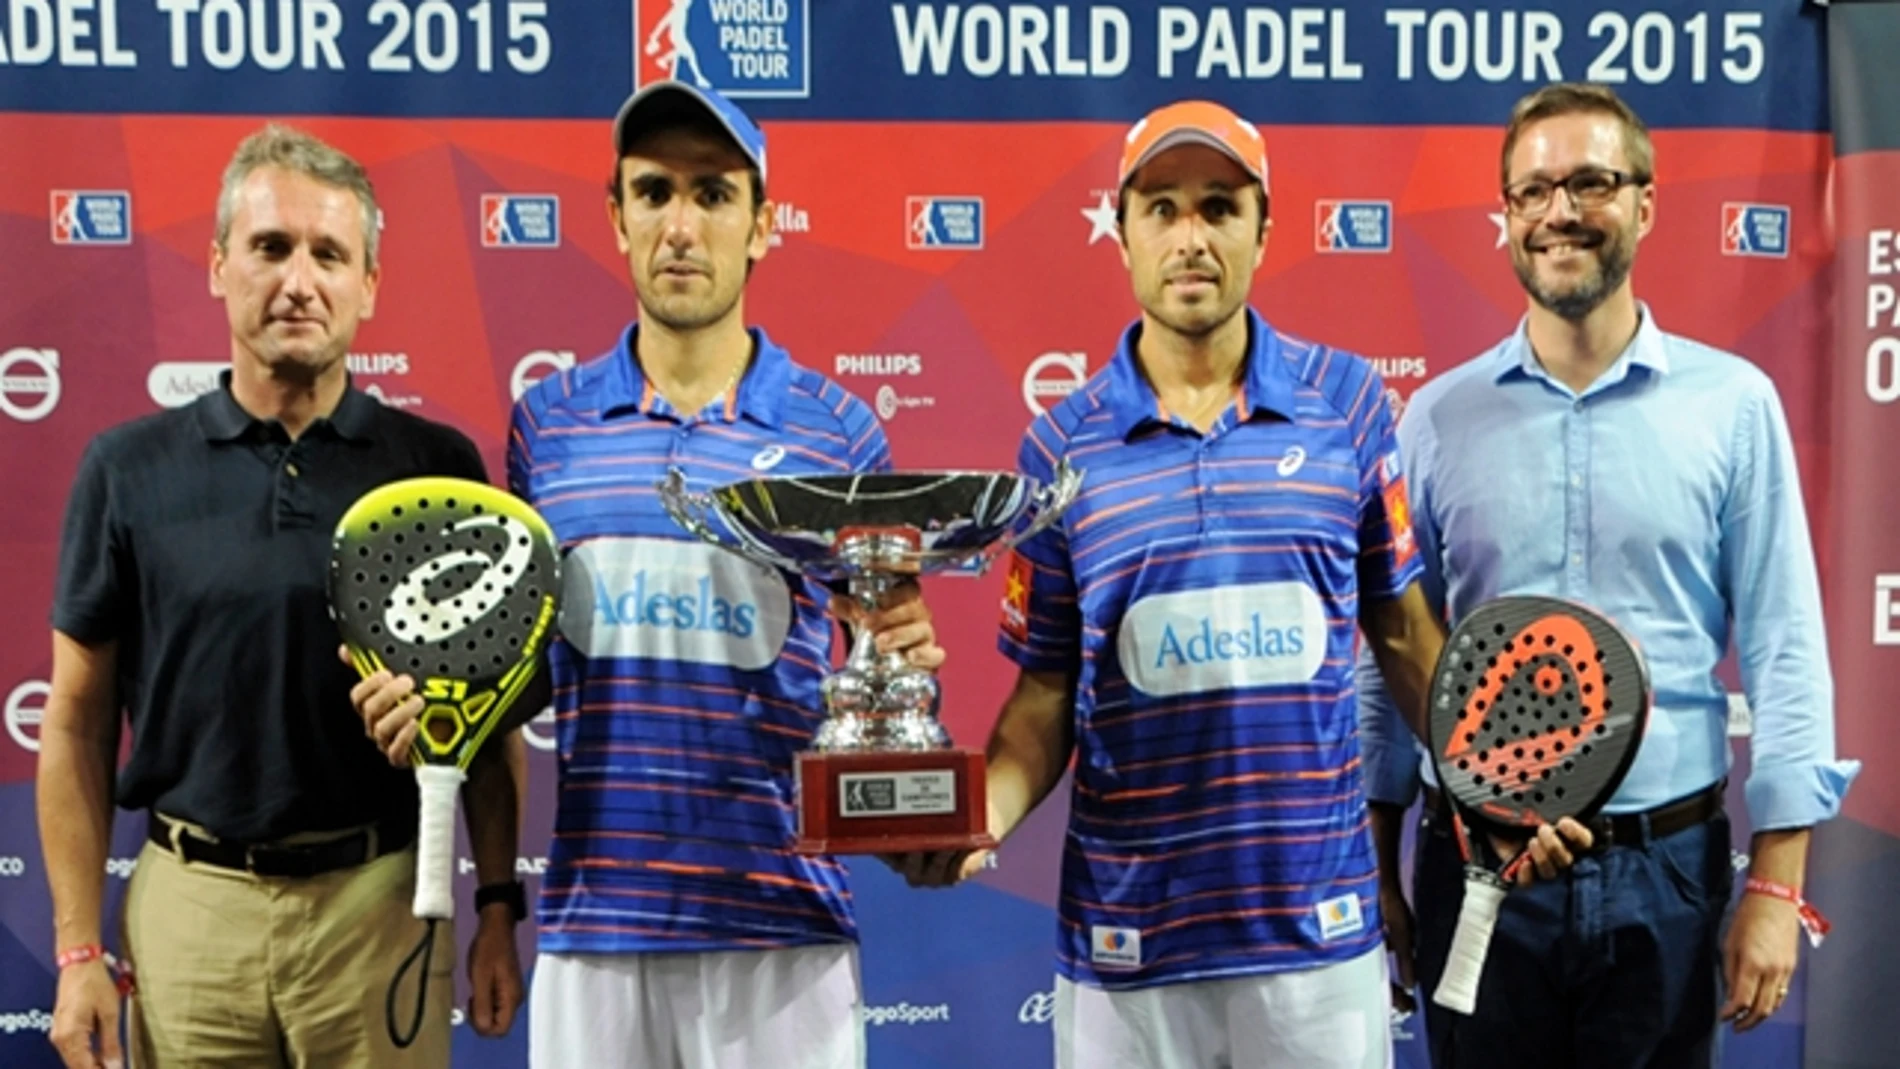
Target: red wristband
{"x":1812,"y":922}
{"x":79,"y":955}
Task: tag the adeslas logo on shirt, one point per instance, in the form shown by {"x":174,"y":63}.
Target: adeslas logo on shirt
{"x":698,"y":609}
{"x":672,"y":600}
{"x":1256,"y":634}
{"x":1201,"y":644}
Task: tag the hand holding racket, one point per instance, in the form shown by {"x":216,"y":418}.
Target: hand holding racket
{"x":1537,"y":707}
{"x":454,"y":584}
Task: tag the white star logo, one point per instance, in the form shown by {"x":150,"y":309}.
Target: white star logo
{"x":1504,"y":229}
{"x":1101,"y":219}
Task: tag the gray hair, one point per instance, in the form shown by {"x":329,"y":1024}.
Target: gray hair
{"x":293,"y":150}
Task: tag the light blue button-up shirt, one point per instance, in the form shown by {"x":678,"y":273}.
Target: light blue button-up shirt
{"x":1666,"y":497}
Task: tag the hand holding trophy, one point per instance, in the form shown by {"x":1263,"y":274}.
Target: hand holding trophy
{"x":881,"y":776}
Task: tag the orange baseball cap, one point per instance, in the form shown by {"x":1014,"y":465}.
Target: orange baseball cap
{"x":1195,"y":122}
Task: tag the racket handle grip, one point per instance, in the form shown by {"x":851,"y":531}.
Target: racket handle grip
{"x":1458,"y":988}
{"x":435,"y":841}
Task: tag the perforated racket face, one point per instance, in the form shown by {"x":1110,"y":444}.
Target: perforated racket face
{"x":1536,"y":710}
{"x":453,"y":582}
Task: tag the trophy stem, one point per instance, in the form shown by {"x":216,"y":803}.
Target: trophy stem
{"x":872,"y":591}
{"x":866,"y":659}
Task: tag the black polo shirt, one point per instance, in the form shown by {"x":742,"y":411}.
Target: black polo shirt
{"x":199,"y":538}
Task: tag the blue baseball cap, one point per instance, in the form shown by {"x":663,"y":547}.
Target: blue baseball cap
{"x":651,"y":102}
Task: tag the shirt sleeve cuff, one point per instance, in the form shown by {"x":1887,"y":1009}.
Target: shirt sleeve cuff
{"x":1797,"y":796}
{"x":1392,"y":774}
{"x":87,"y":627}
{"x":1034,"y":658}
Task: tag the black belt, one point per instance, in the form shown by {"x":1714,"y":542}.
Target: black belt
{"x":1627,"y":828}
{"x":278,"y":860}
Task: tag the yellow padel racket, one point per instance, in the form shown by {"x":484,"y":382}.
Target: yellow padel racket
{"x":456,"y":584}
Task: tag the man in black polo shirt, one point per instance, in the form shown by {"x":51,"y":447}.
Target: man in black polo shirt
{"x":271,"y":906}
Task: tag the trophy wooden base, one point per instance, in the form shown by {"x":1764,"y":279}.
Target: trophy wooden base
{"x":892,"y":803}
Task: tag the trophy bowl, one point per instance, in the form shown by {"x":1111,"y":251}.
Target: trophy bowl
{"x":881,"y":774}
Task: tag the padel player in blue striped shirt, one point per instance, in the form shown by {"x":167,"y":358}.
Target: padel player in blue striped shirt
{"x":1187,"y":633}
{"x":677,"y":927}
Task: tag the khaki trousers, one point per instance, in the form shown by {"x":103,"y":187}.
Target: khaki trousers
{"x":236,"y":970}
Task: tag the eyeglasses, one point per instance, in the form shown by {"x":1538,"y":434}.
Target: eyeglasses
{"x":1592,"y":188}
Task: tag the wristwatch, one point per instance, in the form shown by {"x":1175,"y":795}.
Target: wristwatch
{"x":511,"y":892}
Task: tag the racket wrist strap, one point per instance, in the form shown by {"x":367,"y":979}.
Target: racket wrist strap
{"x":121,"y":971}
{"x":1812,"y":922}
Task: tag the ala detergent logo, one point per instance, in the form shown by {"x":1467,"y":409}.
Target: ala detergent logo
{"x":788,"y":218}
{"x":742,"y":48}
{"x":664,"y":599}
{"x":1253,"y":635}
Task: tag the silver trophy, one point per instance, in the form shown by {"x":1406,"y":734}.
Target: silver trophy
{"x":891,"y":781}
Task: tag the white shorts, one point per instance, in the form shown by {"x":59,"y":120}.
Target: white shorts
{"x":1332,"y":1017}
{"x":798,"y":1008}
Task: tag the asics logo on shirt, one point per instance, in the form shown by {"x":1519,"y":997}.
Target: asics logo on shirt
{"x":1257,"y":634}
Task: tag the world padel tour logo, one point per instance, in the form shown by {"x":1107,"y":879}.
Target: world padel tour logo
{"x":943,"y":222}
{"x":1352,"y":226}
{"x":742,"y":48}
{"x":92,"y":217}
{"x":1755,"y":230}
{"x":521,"y":220}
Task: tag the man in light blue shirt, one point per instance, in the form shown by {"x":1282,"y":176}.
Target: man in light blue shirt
{"x":1591,"y":456}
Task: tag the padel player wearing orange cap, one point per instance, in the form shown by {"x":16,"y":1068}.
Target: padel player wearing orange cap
{"x":1186,"y":633}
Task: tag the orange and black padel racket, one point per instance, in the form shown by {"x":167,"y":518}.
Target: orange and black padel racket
{"x":1537,"y":708}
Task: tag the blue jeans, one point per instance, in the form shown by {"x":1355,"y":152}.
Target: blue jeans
{"x":1614,"y":965}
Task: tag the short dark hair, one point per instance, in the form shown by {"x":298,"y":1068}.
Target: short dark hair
{"x":1573,"y":98}
{"x":686,"y":116}
{"x":1121,"y":205}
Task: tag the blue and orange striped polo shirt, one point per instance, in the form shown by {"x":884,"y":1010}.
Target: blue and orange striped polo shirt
{"x":1206,"y":589}
{"x":685,"y":678}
